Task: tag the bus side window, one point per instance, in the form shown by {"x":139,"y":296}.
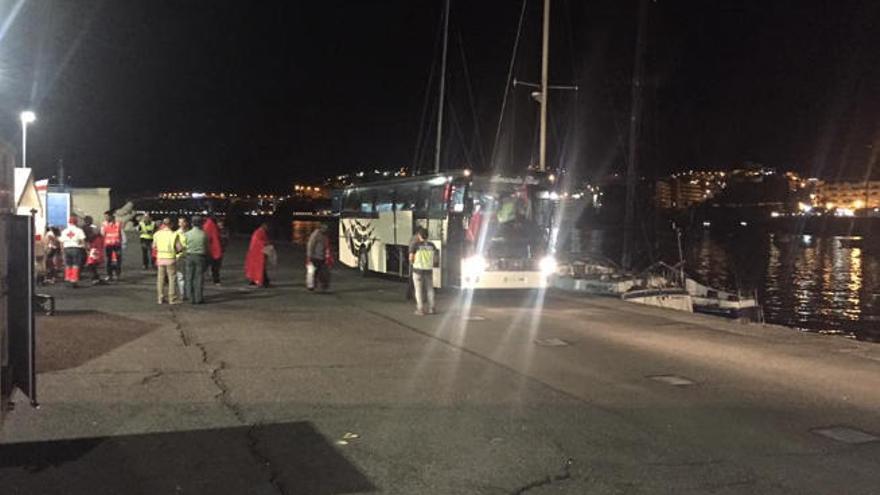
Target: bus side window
{"x":352,"y":201}
{"x":422,"y":201}
{"x":405,"y":199}
{"x":367,"y":202}
{"x":384,"y":200}
{"x":438,"y":202}
{"x":456,"y":199}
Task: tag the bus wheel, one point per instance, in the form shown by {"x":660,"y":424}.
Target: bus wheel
{"x":363,"y":264}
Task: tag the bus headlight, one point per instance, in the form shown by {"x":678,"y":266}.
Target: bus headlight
{"x":474,"y":266}
{"x":547,"y":265}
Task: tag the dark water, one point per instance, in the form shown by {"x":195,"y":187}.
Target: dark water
{"x":828,"y":284}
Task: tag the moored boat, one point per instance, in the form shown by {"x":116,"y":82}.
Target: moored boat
{"x":722,"y":303}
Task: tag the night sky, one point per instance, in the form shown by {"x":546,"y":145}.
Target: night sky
{"x":161,"y":95}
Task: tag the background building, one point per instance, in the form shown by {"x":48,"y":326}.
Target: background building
{"x":849,"y":194}
{"x":684,"y":190}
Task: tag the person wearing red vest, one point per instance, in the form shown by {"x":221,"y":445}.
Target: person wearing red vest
{"x":112,"y":232}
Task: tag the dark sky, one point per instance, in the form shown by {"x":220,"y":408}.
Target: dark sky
{"x":253,"y":95}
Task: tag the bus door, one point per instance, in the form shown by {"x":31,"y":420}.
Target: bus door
{"x":456,"y":234}
{"x":430,"y":213}
{"x":405,"y":199}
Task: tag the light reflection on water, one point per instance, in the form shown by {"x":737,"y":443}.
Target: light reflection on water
{"x":814,"y":283}
{"x":818,"y":284}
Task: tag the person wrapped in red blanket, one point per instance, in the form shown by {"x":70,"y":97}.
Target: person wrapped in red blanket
{"x":257,"y":257}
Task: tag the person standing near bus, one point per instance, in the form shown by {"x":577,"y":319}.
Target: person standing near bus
{"x":410,"y":288}
{"x":112,"y":232}
{"x":316,"y":253}
{"x":422,"y":261}
{"x":147,"y":227}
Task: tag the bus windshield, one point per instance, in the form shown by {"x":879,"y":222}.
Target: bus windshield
{"x":509,"y":220}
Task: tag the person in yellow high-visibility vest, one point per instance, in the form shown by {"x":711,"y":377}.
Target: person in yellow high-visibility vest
{"x":421,"y":259}
{"x":147,"y":227}
{"x":168,"y":245}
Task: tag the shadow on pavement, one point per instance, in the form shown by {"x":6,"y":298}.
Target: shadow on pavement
{"x":74,"y":337}
{"x":292,"y":456}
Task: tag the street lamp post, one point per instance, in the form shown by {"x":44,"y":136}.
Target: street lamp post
{"x":27,"y":117}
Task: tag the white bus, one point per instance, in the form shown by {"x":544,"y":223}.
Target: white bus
{"x":491,"y":232}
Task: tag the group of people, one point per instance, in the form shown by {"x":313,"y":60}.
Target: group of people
{"x":261,"y":254}
{"x":85,"y":247}
{"x":181,"y":256}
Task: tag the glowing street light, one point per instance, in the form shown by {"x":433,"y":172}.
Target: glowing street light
{"x":27,"y":117}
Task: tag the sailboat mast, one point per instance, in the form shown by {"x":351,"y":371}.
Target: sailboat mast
{"x":545,"y":65}
{"x":635,"y":121}
{"x":442,"y":96}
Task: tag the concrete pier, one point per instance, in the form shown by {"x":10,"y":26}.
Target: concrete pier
{"x":285,"y":391}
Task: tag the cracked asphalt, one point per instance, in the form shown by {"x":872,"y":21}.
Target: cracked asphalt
{"x":282,"y":391}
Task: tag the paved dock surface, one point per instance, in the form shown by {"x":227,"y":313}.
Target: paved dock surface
{"x":285,"y":391}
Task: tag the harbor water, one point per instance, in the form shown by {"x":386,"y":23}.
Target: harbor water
{"x":827,"y":284}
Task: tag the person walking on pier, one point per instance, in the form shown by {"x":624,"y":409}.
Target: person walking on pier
{"x":256,"y":261}
{"x":317,"y":250}
{"x":195,"y":262}
{"x":147,"y":227}
{"x":422,"y":261}
{"x":167,"y":244}
{"x":73,"y":242}
{"x":215,"y":248}
{"x":112,"y":232}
